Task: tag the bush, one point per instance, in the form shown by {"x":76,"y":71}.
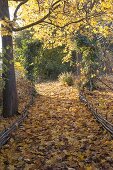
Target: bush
{"x":66,"y":78}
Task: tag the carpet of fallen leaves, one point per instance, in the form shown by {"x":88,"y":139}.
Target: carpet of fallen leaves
{"x":102,"y":98}
{"x":24,"y":88}
{"x":59,"y":134}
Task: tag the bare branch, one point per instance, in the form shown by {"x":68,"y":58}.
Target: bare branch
{"x":38,"y":5}
{"x":55,"y":3}
{"x":18,"y":7}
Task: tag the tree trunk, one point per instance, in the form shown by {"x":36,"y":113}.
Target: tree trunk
{"x":10,"y":104}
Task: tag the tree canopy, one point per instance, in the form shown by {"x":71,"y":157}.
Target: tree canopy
{"x":55,"y":23}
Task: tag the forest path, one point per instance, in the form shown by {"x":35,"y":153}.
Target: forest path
{"x":59,"y":134}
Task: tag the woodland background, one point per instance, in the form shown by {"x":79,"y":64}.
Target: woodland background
{"x":52,"y":52}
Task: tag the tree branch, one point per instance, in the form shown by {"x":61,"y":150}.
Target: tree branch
{"x":16,"y":0}
{"x":53,"y":7}
{"x":32,"y":24}
{"x":18,"y":7}
{"x":38,"y":5}
{"x":93,"y":4}
{"x":73,"y":22}
{"x":55,"y":3}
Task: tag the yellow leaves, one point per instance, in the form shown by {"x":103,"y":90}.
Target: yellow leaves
{"x":107,"y":4}
{"x":102,"y":100}
{"x":93,"y":22}
{"x":3,"y":22}
{"x":24,"y":96}
{"x":66,"y":13}
{"x":104,"y":30}
{"x":81,"y":157}
{"x":11,"y":167}
{"x":5,"y":29}
{"x":93,"y":75}
{"x":20,"y":69}
{"x":89,"y":168}
{"x":67,"y":58}
{"x":50,"y":139}
{"x":82,"y":1}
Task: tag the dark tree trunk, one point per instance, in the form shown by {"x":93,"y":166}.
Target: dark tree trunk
{"x":10,"y":104}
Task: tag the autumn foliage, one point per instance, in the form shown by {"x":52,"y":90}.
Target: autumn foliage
{"x":60,"y":133}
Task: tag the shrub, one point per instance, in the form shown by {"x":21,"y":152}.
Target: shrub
{"x":66,"y":78}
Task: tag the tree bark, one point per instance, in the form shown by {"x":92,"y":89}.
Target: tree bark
{"x":10,"y":104}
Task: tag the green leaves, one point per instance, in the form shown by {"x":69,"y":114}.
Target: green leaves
{"x":87,"y":46}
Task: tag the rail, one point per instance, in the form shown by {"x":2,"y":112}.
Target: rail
{"x":107,"y":125}
{"x":5,"y":135}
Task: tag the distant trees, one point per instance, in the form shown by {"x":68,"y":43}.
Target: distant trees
{"x":90,"y":61}
{"x":26,"y":51}
{"x":96,"y":55}
{"x":10,"y":100}
{"x":58,"y":13}
{"x":38,"y":61}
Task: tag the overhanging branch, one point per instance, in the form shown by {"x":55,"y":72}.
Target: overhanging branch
{"x":18,"y":7}
{"x":32,"y":24}
{"x":75,"y":22}
{"x":54,"y":6}
{"x":43,"y":20}
{"x":16,"y":0}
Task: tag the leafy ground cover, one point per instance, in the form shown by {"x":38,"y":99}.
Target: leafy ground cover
{"x":24,"y":88}
{"x":102,"y":98}
{"x":59,"y":134}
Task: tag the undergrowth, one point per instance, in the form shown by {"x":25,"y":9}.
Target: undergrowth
{"x":66,"y":78}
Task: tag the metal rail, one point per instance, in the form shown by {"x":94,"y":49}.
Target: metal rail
{"x":5,"y":135}
{"x":110,"y":88}
{"x":107,"y":125}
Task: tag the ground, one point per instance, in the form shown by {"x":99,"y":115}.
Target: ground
{"x":102,"y":97}
{"x":59,"y":134}
{"x":24,"y":89}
